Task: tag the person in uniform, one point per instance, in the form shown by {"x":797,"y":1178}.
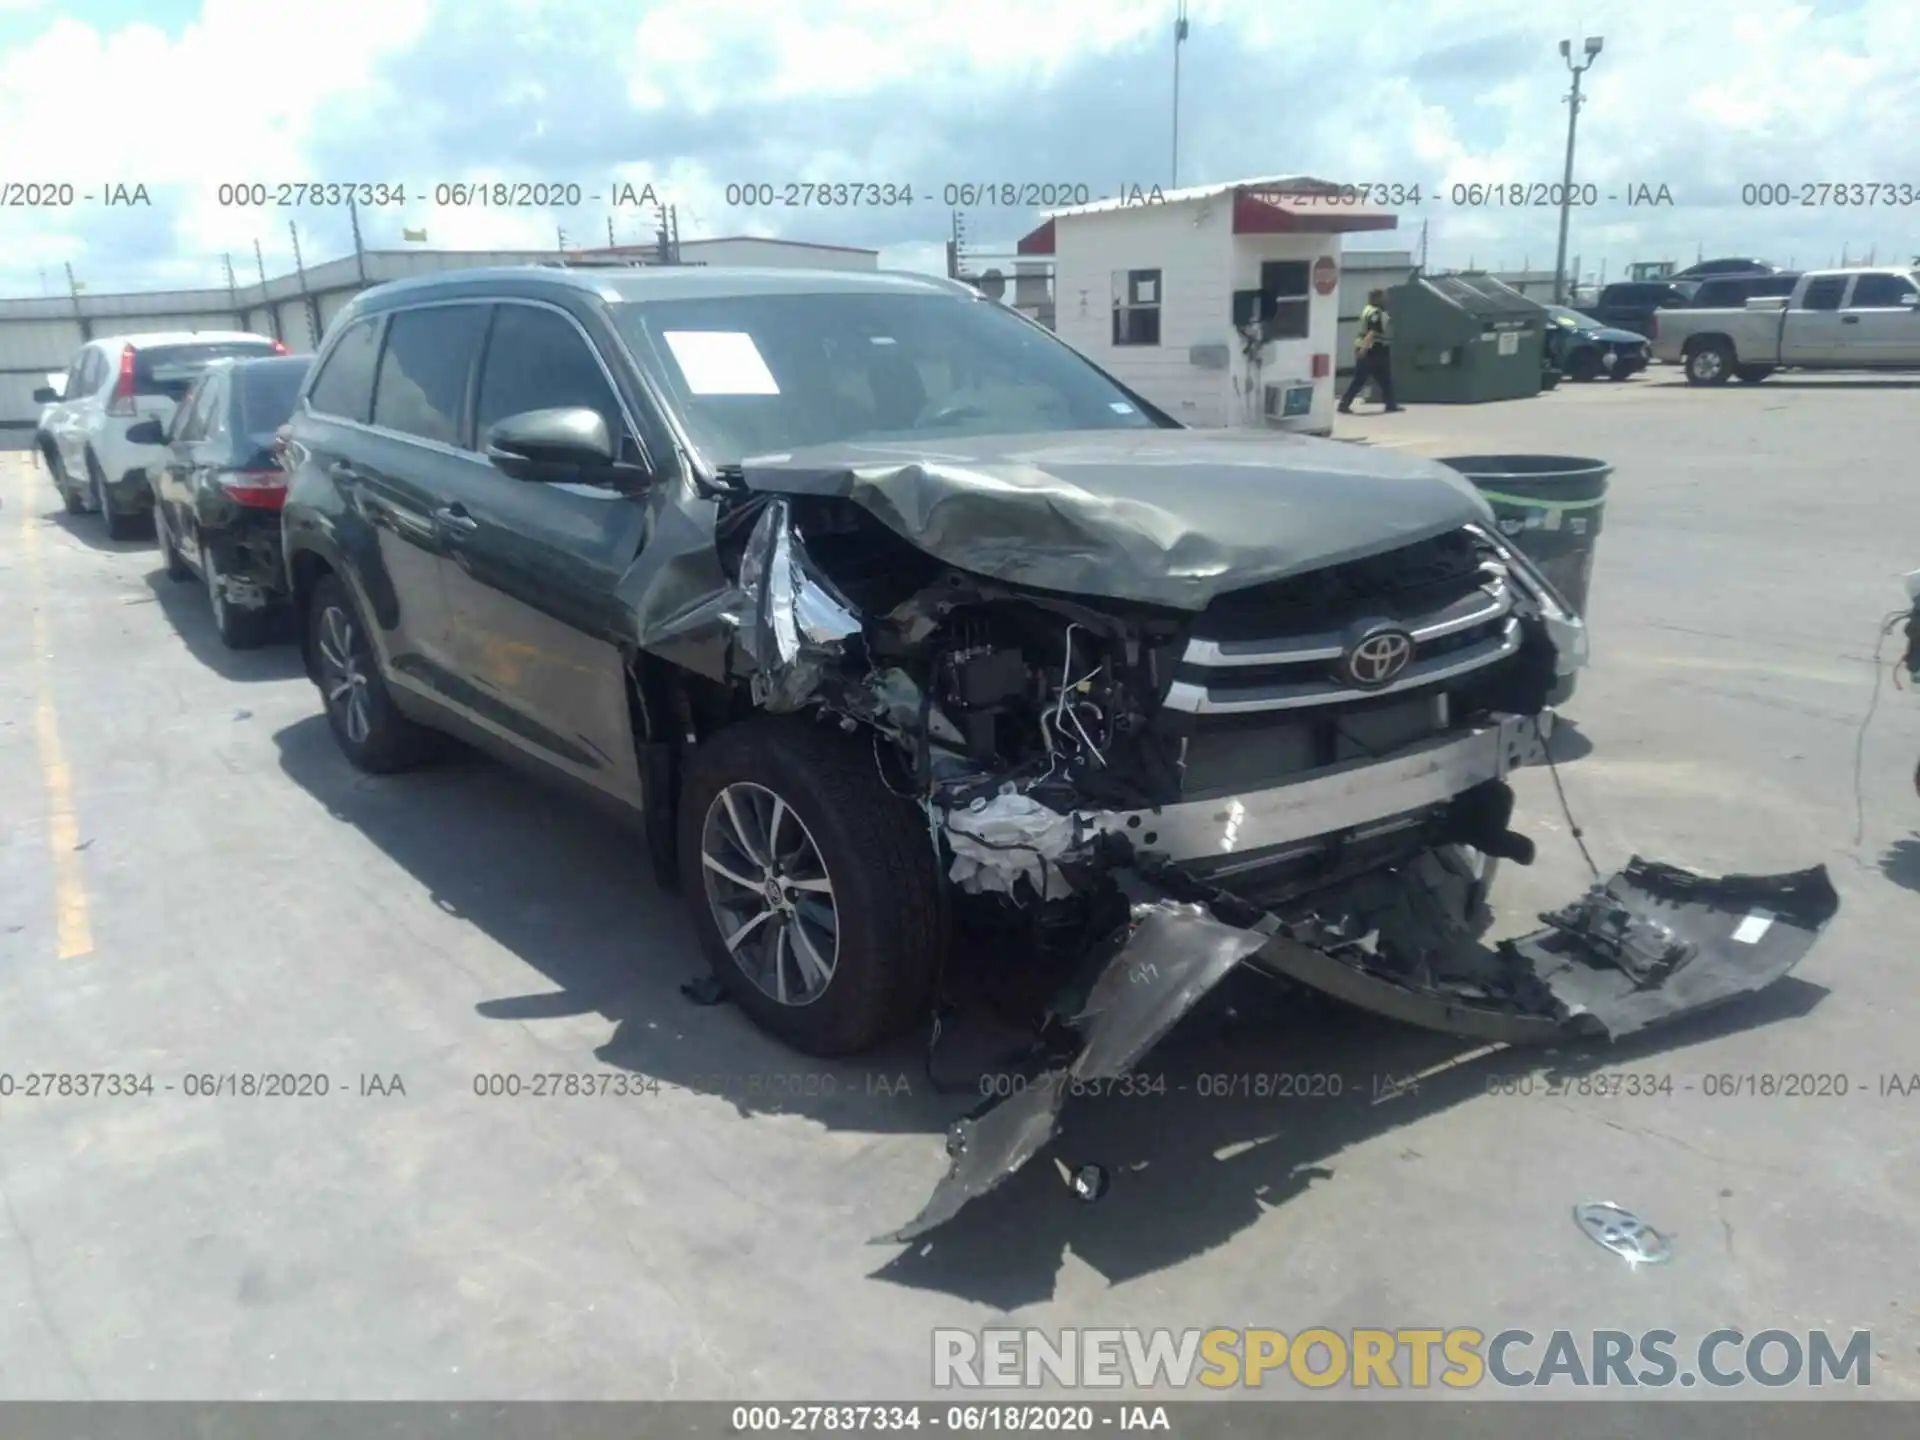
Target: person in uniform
{"x":1373,"y":355}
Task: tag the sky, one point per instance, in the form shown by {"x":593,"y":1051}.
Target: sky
{"x":1726,"y":104}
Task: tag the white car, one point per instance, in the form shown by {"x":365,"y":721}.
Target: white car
{"x":113,"y":385}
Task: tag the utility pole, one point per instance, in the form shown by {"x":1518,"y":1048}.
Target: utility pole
{"x":273,"y":307}
{"x":1423,"y":247}
{"x":359,"y":250}
{"x":233,"y":293}
{"x":560,"y":240}
{"x":306,"y":296}
{"x":79,"y":316}
{"x":1179,"y":39}
{"x":612,"y":244}
{"x":1590,"y":47}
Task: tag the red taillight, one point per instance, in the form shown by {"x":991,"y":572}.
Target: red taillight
{"x":122,"y":401}
{"x":278,"y":348}
{"x":256,"y":489}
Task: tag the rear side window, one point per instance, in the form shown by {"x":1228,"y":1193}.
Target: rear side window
{"x":344,"y":386}
{"x":1824,"y":293}
{"x":424,"y":369}
{"x":171,"y":370}
{"x":267,"y":393}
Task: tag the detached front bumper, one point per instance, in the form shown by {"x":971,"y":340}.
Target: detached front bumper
{"x":1647,"y":945}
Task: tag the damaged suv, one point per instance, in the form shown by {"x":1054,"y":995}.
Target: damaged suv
{"x":883,"y":607}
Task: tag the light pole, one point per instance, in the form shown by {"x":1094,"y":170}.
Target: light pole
{"x":1591,"y":49}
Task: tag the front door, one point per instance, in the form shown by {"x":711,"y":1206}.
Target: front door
{"x":532,"y":587}
{"x":67,"y":423}
{"x":176,"y":480}
{"x":1882,"y":319}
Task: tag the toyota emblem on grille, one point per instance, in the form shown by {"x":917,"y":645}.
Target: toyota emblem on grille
{"x":1378,"y":659}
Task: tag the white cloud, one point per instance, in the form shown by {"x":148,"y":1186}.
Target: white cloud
{"x":694,"y":95}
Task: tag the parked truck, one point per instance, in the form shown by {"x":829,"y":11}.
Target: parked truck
{"x":1858,"y":319}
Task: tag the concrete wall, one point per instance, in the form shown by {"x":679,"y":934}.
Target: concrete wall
{"x":748,"y":250}
{"x":1191,"y":245}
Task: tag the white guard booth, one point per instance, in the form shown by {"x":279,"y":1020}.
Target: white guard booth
{"x":1220,"y":304}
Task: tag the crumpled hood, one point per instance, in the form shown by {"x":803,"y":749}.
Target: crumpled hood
{"x":1165,"y":517}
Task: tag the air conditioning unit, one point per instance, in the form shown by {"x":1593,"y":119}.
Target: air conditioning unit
{"x":1286,"y":401}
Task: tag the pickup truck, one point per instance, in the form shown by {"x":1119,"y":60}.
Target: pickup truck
{"x":1860,"y":319}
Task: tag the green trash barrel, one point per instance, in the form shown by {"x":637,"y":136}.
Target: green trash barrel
{"x":1549,"y":507}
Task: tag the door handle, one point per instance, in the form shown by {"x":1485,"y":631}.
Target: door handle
{"x":455,"y":517}
{"x":1849,"y":319}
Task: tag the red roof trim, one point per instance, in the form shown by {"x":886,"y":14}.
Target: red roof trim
{"x":1304,"y":215}
{"x":1038,"y":242}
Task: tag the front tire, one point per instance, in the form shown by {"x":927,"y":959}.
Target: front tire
{"x":371,"y":731}
{"x":1710,"y":364}
{"x":813,"y":887}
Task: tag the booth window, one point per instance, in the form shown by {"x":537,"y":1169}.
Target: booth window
{"x":1136,"y":307}
{"x":1285,"y":298}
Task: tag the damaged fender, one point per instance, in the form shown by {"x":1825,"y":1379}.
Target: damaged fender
{"x":1647,"y":945}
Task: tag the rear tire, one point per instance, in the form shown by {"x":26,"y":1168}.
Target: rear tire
{"x":239,"y":629}
{"x":169,"y":552}
{"x":372,"y":733}
{"x":1584,"y":366}
{"x":1752,"y":374}
{"x":871,"y":870}
{"x":74,"y":500}
{"x":119,"y":527}
{"x":1710,"y":364}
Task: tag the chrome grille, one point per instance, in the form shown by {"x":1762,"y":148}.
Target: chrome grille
{"x":1297,"y":671}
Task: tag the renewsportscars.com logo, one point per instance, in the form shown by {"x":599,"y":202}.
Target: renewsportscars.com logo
{"x":1461,"y":1358}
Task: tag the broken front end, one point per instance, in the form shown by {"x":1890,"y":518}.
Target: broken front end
{"x":1308,"y":776}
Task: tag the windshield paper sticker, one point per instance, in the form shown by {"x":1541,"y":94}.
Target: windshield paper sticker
{"x":720,"y":362}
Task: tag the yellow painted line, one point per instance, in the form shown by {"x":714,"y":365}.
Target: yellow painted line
{"x":72,"y":929}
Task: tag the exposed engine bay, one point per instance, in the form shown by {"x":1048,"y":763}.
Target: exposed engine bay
{"x":1307,"y":775}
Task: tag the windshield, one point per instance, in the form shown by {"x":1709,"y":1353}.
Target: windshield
{"x":1573,"y":319}
{"x":759,"y":374}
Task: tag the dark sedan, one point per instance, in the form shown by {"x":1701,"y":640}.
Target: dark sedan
{"x":217,"y":498}
{"x":1581,"y":348}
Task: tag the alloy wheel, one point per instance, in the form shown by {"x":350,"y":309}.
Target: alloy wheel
{"x":770,"y":893}
{"x":344,"y":670}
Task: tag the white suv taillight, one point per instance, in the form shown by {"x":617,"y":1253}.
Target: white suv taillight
{"x":122,"y":401}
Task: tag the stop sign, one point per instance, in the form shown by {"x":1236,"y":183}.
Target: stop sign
{"x":1326,"y":275}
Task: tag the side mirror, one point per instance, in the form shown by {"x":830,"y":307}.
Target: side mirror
{"x":569,"y":444}
{"x":46,"y":395}
{"x":147,"y":432}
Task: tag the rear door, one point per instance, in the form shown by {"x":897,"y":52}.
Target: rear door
{"x":536,"y":565}
{"x":173,"y":478}
{"x":1882,"y":321}
{"x":409,"y":465}
{"x":1812,"y":333}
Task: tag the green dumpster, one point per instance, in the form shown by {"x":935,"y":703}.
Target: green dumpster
{"x":1462,"y":339}
{"x":1549,"y":507}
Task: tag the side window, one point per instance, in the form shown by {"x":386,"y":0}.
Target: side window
{"x":187,"y":425}
{"x":93,"y":369}
{"x":1881,"y":292}
{"x":1285,"y":286}
{"x":1136,"y":307}
{"x":1824,"y":293}
{"x":536,"y":360}
{"x":344,"y":386}
{"x":213,"y":409}
{"x":424,"y":369}
{"x":76,"y":375}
